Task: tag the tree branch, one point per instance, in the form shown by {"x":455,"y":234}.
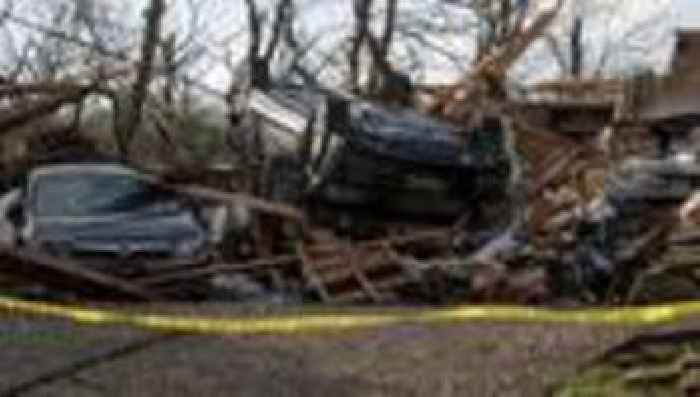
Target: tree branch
{"x":281,"y":19}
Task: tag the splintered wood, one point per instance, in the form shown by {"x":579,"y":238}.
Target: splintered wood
{"x":566,"y":173}
{"x":335,"y":271}
{"x":343,"y":275}
{"x":369,"y":271}
{"x":69,"y":272}
{"x":493,"y":69}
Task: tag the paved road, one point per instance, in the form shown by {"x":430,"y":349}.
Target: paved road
{"x":54,"y":358}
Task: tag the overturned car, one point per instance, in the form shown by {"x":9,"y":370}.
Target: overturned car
{"x":109,"y":209}
{"x":345,"y":151}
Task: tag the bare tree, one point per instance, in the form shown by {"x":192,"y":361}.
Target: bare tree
{"x":255,"y":70}
{"x":624,"y":39}
{"x":484,"y":85}
{"x":153,"y":16}
{"x":500,"y":21}
{"x":361,"y":9}
{"x":67,"y":39}
{"x":577,"y":47}
{"x":259,"y":58}
{"x":384,"y":80}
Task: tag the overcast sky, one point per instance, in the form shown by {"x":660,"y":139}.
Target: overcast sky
{"x":689,"y":12}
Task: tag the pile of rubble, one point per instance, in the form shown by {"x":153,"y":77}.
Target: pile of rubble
{"x":354,"y":201}
{"x":592,"y":232}
{"x":663,"y":363}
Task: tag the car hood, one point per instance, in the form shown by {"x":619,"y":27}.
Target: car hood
{"x":177,"y":234}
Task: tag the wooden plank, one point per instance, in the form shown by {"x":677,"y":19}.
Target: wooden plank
{"x":271,"y":262}
{"x":354,"y":296}
{"x":437,"y":234}
{"x":78,"y":271}
{"x":310,"y":274}
{"x":367,"y":287}
{"x":265,"y":206}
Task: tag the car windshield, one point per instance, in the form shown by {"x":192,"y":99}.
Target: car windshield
{"x":97,"y":194}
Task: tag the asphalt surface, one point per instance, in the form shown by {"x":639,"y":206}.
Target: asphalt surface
{"x":45,"y":357}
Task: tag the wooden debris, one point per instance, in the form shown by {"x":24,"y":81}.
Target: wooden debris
{"x":437,"y":236}
{"x":186,"y":274}
{"x":555,"y":169}
{"x":491,"y":71}
{"x":690,"y":210}
{"x":37,"y":264}
{"x":344,"y":272}
{"x":265,"y":206}
{"x":351,"y":274}
{"x":40,"y":108}
{"x":641,"y":244}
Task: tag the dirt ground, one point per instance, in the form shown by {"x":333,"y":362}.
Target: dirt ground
{"x":43,"y":357}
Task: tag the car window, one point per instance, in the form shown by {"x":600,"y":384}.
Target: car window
{"x":95,"y":194}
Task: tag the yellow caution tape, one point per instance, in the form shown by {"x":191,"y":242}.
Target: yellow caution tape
{"x":308,"y":322}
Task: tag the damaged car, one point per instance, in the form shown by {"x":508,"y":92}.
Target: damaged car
{"x":109,"y":209}
{"x":349,"y":152}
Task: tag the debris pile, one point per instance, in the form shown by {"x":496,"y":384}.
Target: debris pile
{"x":593,"y":231}
{"x":664,"y":363}
{"x":348,"y":200}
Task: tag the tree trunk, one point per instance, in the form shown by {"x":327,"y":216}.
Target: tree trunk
{"x":362,"y":13}
{"x":144,"y":73}
{"x":577,"y":48}
{"x":382,"y":73}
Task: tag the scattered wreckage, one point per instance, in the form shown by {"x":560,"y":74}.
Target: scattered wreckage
{"x":360,"y":160}
{"x":424,"y":183}
{"x":112,"y":225}
{"x":636,"y":240}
